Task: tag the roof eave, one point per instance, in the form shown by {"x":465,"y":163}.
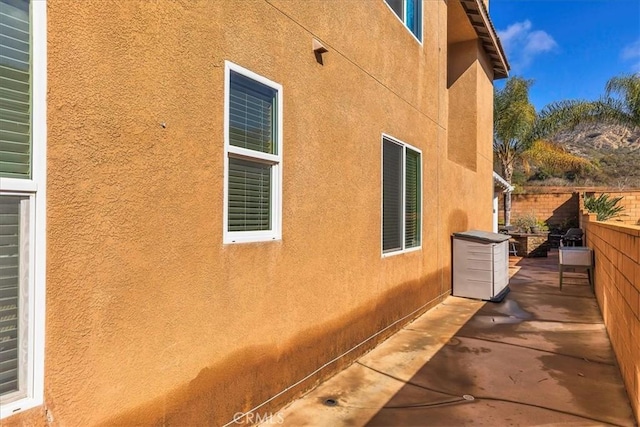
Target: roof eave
{"x":479,"y":19}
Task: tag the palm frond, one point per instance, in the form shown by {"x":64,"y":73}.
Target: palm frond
{"x":554,"y":158}
{"x":564,"y":115}
{"x":623,"y":92}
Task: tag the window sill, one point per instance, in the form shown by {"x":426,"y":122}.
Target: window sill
{"x":251,"y":237}
{"x":403,"y":251}
{"x":18,"y":406}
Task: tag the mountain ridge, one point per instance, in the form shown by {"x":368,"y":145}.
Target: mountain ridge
{"x":599,"y":137}
{"x":612,"y":150}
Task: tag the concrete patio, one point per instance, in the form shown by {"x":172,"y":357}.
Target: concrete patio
{"x":540,"y":357}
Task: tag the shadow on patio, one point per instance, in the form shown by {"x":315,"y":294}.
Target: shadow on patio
{"x":541,"y":356}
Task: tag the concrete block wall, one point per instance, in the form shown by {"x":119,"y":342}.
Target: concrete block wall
{"x":630,"y":201}
{"x":558,"y":206}
{"x":617,"y":288}
{"x":555,"y":208}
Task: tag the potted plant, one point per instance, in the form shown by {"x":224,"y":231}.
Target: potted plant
{"x":525,"y":223}
{"x":539,"y":227}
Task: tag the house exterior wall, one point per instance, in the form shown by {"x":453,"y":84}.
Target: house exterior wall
{"x":150,"y":317}
{"x":617,"y":288}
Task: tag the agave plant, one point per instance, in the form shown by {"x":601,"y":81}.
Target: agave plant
{"x":603,"y":206}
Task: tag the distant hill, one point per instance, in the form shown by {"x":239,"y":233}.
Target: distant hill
{"x":615,"y":151}
{"x":584,"y":139}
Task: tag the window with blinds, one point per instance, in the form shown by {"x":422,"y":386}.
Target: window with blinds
{"x":391,"y":196}
{"x":251,"y":114}
{"x":14,"y":220}
{"x":401,"y":196}
{"x":15,"y":89}
{"x":249,"y":196}
{"x":410,"y":13}
{"x":412,"y":212}
{"x":252,"y":145}
{"x":23,"y":29}
{"x":15,"y":162}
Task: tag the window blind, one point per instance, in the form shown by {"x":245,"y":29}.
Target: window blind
{"x":251,"y":114}
{"x":398,"y":7}
{"x":249,"y":196}
{"x":15,"y":89}
{"x":409,"y":12}
{"x":391,"y":196}
{"x":9,"y":291}
{"x":412,"y":199}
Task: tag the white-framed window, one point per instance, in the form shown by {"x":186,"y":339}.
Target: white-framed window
{"x":410,"y":13}
{"x":252,"y":157}
{"x":401,"y":196}
{"x":22,"y":203}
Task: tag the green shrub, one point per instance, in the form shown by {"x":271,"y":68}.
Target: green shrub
{"x":542,"y":225}
{"x":525,"y":222}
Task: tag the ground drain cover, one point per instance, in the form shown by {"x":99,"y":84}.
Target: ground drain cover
{"x":330,"y":402}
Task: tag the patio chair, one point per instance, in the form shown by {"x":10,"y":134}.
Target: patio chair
{"x":573,"y":237}
{"x":507,"y":229}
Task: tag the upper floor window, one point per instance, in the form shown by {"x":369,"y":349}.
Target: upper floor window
{"x":410,"y":13}
{"x":22,"y":203}
{"x":253,"y":157}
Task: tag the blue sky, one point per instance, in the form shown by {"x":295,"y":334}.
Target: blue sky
{"x":570,"y":48}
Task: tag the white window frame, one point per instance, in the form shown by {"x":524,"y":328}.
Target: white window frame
{"x":404,"y":146}
{"x":274,"y":160}
{"x":35,"y":189}
{"x":404,"y":19}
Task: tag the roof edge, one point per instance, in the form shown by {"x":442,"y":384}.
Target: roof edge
{"x":479,"y":18}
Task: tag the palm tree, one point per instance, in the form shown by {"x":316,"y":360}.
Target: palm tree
{"x":513,"y":123}
{"x":518,"y":134}
{"x":620,"y":105}
{"x":518,"y":130}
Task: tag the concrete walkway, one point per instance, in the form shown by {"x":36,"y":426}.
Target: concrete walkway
{"x":540,"y":357}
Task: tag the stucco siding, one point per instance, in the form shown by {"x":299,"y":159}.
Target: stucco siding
{"x":150,"y":317}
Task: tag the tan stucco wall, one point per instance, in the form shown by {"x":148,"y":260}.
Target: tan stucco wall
{"x":462,"y":81}
{"x":150,"y":318}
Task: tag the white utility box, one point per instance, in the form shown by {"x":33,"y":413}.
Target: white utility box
{"x":576,"y":256}
{"x":480,"y":265}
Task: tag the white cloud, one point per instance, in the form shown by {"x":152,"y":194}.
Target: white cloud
{"x":514,"y":34}
{"x":522,"y":44}
{"x":631,"y":52}
{"x":538,"y":42}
